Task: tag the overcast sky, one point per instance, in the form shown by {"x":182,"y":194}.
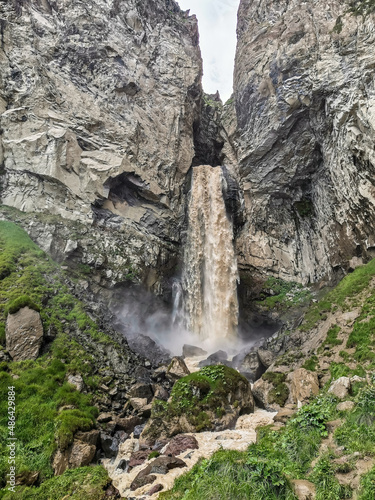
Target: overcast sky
{"x":217,"y":21}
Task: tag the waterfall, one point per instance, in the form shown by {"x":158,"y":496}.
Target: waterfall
{"x":210,"y":272}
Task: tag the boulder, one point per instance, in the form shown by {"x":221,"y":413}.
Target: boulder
{"x":304,"y":490}
{"x":143,"y":391}
{"x":345,"y":406}
{"x":138,"y":458}
{"x":191,"y":351}
{"x":162,"y":465}
{"x":138,"y":429}
{"x":90,"y":437}
{"x":179,"y":444}
{"x":149,"y":349}
{"x":128,"y":424}
{"x":109,"y":445}
{"x":24,"y":334}
{"x":340,"y":387}
{"x":76,"y":381}
{"x":27,"y":478}
{"x":104,"y":417}
{"x":142,"y":480}
{"x":177,"y":369}
{"x":155,"y":489}
{"x":81,"y":454}
{"x":266,"y":357}
{"x":304,"y":385}
{"x":262,"y":392}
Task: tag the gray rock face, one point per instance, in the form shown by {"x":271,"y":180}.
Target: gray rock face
{"x":304,"y":110}
{"x":97,"y":103}
{"x":24,"y":334}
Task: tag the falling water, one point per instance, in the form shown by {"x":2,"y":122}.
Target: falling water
{"x":210,"y":267}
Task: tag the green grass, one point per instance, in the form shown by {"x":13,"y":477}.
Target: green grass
{"x":29,"y":277}
{"x":286,"y":294}
{"x":311,"y":363}
{"x":76,"y":484}
{"x":344,"y":295}
{"x":367,"y":486}
{"x":280,"y":392}
{"x":264,"y":470}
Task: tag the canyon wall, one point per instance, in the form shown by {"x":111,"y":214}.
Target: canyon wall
{"x":98,"y":101}
{"x":302,"y":125}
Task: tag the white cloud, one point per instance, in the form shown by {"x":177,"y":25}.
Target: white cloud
{"x":217,"y":20}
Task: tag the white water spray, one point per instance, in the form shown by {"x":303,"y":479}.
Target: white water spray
{"x":210,"y":274}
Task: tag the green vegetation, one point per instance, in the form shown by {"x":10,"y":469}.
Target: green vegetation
{"x":367,"y":486}
{"x":304,"y":207}
{"x":285,"y":294}
{"x":198,"y":394}
{"x":327,"y":486}
{"x":311,"y":363}
{"x":48,"y":409}
{"x":345,"y":295}
{"x":75,"y":484}
{"x":362,"y":7}
{"x":264,"y":470}
{"x":280,"y":393}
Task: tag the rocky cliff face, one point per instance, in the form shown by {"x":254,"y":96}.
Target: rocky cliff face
{"x":304,"y":136}
{"x":98,"y":100}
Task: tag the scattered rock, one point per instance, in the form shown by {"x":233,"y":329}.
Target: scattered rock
{"x":340,"y":387}
{"x":90,"y":437}
{"x":76,"y":381}
{"x":179,"y":444}
{"x":24,"y":334}
{"x":81,"y":454}
{"x":345,"y":406}
{"x":304,"y":490}
{"x":143,"y":391}
{"x":357,"y":379}
{"x":138,"y":403}
{"x":104,"y":417}
{"x":138,"y":429}
{"x":109,"y":445}
{"x":162,"y":465}
{"x":304,"y":385}
{"x":155,"y":489}
{"x":123,"y":465}
{"x":142,"y":480}
{"x":138,"y":458}
{"x":283,"y":415}
{"x":191,"y":351}
{"x":177,"y":369}
{"x":128,"y":424}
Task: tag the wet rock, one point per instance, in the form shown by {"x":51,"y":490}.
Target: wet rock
{"x":162,"y":465}
{"x":218,"y":356}
{"x":191,"y":351}
{"x":24,"y":334}
{"x":179,"y":444}
{"x":304,"y":385}
{"x":340,"y":387}
{"x":155,"y":489}
{"x":177,"y":369}
{"x":142,"y":480}
{"x":147,"y":347}
{"x":123,"y":465}
{"x":138,"y":429}
{"x":138,"y":458}
{"x":109,"y":445}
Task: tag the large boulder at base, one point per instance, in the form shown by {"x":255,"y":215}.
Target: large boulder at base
{"x":340,"y":387}
{"x":304,"y":386}
{"x":211,"y":399}
{"x":161,"y":465}
{"x":24,"y":334}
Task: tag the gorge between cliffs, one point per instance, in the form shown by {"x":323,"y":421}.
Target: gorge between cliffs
{"x":187,"y":287}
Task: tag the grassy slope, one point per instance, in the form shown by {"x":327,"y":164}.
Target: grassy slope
{"x":264,"y":471}
{"x":29,"y":277}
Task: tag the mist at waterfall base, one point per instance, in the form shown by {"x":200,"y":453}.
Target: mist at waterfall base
{"x":143,"y":314}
